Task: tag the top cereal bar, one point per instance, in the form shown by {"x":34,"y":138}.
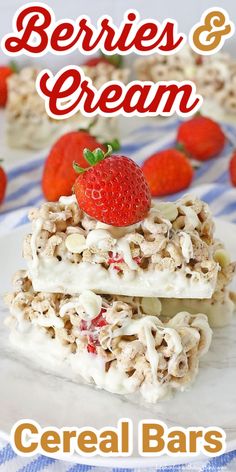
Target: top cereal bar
{"x":169,"y":254}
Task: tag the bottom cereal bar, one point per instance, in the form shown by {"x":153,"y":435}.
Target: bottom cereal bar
{"x":219,"y":308}
{"x":113,"y":342}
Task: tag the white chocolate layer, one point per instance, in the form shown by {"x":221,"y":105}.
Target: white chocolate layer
{"x":52,"y":276}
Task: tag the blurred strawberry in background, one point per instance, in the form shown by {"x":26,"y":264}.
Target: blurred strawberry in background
{"x":58,"y":174}
{"x":114,"y":60}
{"x":3,"y":184}
{"x":5,"y":72}
{"x":232,"y":169}
{"x":201,"y":138}
{"x":168,"y":172}
{"x":94,"y":61}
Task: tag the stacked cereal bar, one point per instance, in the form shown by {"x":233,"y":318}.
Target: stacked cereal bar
{"x":168,"y":254}
{"x":29,"y":126}
{"x":124,"y":308}
{"x":214,"y":76}
{"x":112,"y":342}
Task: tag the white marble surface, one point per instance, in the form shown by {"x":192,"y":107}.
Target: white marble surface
{"x":28,"y":392}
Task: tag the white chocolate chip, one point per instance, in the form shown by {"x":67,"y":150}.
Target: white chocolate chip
{"x":168,"y":210}
{"x":124,"y":248}
{"x":100,"y":239}
{"x":186,"y":246}
{"x":191,"y":221}
{"x":68,"y":200}
{"x":91,"y":303}
{"x":151,"y":306}
{"x":75,"y":243}
{"x":222,"y":257}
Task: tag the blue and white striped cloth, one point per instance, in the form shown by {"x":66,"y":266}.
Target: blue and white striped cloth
{"x":10,"y":462}
{"x":211,"y":183}
{"x":211,"y":180}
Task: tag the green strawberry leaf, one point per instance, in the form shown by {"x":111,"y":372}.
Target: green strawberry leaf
{"x":109,"y":151}
{"x":78,"y":169}
{"x":115,"y":144}
{"x":93,"y":158}
{"x":98,"y":155}
{"x":180,"y":147}
{"x":14,"y":67}
{"x":115,"y":59}
{"x":89,"y":156}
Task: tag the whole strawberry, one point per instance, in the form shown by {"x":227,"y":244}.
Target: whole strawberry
{"x":232,"y":169}
{"x":167,"y":172}
{"x":113,"y":189}
{"x":94,"y":61}
{"x":114,"y":60}
{"x":5,"y":72}
{"x":3,"y":184}
{"x":201,"y":138}
{"x":59,"y":175}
